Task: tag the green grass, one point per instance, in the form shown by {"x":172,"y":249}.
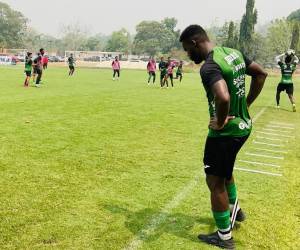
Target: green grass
{"x":87,"y":163}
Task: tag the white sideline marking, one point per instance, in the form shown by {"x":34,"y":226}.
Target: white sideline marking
{"x":143,"y":234}
{"x":277,"y":130}
{"x":277,"y":126}
{"x":267,"y":133}
{"x":259,"y":114}
{"x":282,"y":123}
{"x":267,"y":138}
{"x":257,"y":171}
{"x":268,"y":144}
{"x":138,"y":240}
{"x":260,"y":163}
{"x":265,"y":156}
{"x":272,"y":151}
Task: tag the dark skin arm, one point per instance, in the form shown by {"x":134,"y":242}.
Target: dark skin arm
{"x":259,"y":76}
{"x":222,"y":102}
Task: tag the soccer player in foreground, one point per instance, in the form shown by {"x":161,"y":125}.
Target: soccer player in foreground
{"x":71,"y":63}
{"x":151,"y":68}
{"x":116,"y":68}
{"x":28,"y":68}
{"x":223,"y":75}
{"x":288,"y":63}
{"x":163,"y":71}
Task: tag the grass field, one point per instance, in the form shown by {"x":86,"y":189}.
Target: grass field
{"x":88,"y":163}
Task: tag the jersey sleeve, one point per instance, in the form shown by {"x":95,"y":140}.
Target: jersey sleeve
{"x":210,"y":73}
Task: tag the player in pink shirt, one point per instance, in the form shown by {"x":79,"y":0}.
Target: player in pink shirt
{"x":151,"y":68}
{"x":116,"y":68}
{"x":170,"y":68}
{"x":45,"y":62}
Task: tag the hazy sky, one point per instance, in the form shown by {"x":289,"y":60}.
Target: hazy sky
{"x":105,"y":16}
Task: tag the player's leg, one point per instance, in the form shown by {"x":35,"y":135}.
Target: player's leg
{"x":166,"y":82}
{"x":114,"y":74}
{"x":171,"y":78}
{"x":73,"y":70}
{"x":118,"y":74}
{"x":162,"y":77}
{"x":154,"y":77}
{"x":149,"y":77}
{"x":279,"y":89}
{"x":38,"y":79}
{"x":290,"y":92}
{"x":180,"y":79}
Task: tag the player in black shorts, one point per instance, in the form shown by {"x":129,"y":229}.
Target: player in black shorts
{"x":287,"y":63}
{"x":223,"y":75}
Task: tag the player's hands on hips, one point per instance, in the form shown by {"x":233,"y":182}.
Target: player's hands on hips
{"x":215,"y":125}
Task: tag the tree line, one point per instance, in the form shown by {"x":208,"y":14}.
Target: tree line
{"x":157,"y":37}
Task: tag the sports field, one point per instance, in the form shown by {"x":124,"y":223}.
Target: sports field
{"x":88,"y":163}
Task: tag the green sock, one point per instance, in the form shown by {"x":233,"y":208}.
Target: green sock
{"x":222,"y":220}
{"x":232,"y":193}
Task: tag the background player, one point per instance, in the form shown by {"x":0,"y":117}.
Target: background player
{"x":170,"y":68}
{"x":179,"y":72}
{"x":163,"y":71}
{"x":116,"y":68}
{"x":71,"y":63}
{"x":287,"y":63}
{"x":28,"y":68}
{"x":151,"y":68}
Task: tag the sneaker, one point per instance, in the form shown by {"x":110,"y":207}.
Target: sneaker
{"x":214,"y":239}
{"x":278,"y":107}
{"x":294,"y":108}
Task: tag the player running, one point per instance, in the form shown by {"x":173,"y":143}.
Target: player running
{"x":71,"y":63}
{"x":179,"y":72}
{"x":151,"y":68}
{"x":116,"y":68}
{"x":28,"y":68}
{"x":288,"y":63}
{"x":223,"y":75}
{"x":163,"y":71}
{"x":170,"y":68}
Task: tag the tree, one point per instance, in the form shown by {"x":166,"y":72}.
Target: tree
{"x":279,"y":36}
{"x":232,"y":37}
{"x":248,"y":23}
{"x":295,"y":37}
{"x":294,"y":16}
{"x":119,"y":41}
{"x":74,"y":37}
{"x":12,"y":27}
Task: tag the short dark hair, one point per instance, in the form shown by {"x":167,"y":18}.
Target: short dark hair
{"x":194,"y":31}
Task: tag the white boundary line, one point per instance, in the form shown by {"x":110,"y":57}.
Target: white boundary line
{"x":267,"y":144}
{"x":260,"y":163}
{"x":266,"y":138}
{"x":265,"y":156}
{"x":272,"y":151}
{"x":277,"y":126}
{"x":267,"y":133}
{"x":143,"y":234}
{"x":257,"y":171}
{"x":291,"y":125}
{"x":277,"y":130}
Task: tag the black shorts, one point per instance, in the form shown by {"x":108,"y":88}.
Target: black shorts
{"x":178,"y":74}
{"x":220,"y":154}
{"x":71,"y":67}
{"x":35,"y":70}
{"x":28,"y":73}
{"x":288,"y":88}
{"x":152,"y":73}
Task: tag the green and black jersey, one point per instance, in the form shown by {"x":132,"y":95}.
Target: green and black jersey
{"x":71,"y":61}
{"x":230,"y":65}
{"x":287,"y":71}
{"x":163,"y":67}
{"x":179,"y":70}
{"x":28,"y":64}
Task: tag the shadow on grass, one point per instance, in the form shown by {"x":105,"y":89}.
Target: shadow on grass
{"x":149,"y":224}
